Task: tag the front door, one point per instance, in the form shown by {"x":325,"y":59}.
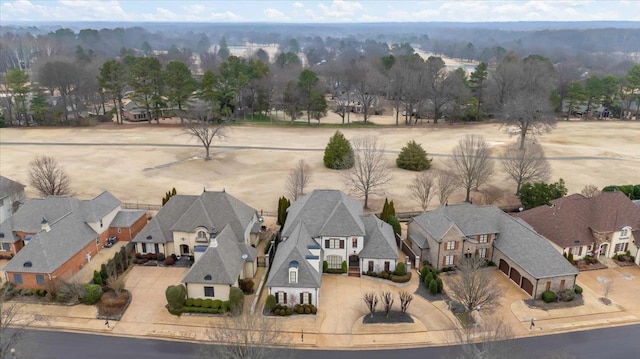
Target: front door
{"x":184,"y":249}
{"x":354,"y":261}
{"x":157,"y":248}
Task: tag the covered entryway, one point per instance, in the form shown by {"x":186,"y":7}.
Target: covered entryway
{"x":527,"y":285}
{"x":184,"y":250}
{"x":354,"y":261}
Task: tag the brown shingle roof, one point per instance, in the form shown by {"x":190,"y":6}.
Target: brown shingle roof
{"x":570,"y":220}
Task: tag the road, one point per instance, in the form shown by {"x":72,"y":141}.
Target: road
{"x":616,"y":342}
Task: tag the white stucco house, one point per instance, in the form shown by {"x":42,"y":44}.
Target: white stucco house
{"x":11,"y":196}
{"x":327,"y":226}
{"x":216,"y":229}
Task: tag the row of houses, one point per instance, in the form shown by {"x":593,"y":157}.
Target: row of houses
{"x":325,"y":229}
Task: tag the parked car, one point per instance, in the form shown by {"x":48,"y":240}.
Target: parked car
{"x":111,"y":241}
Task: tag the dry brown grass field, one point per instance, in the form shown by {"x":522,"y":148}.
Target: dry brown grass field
{"x":126,"y":161}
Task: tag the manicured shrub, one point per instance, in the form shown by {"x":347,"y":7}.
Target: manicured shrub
{"x":300,"y":310}
{"x":92,"y":295}
{"x":491,"y":264}
{"x":103,"y":272}
{"x":577,"y":289}
{"x":433,"y":287}
{"x":401,"y":278}
{"x":413,"y":157}
{"x":169,"y":261}
{"x":176,"y":296}
{"x":270,"y":303}
{"x":440,"y":285}
{"x":289,"y":311}
{"x":224,"y":307}
{"x":236,"y":300}
{"x":97,"y":278}
{"x":570,"y":258}
{"x":216,"y":304}
{"x":345,"y":268}
{"x":246,"y":285}
{"x":325,"y":266}
{"x":400,"y":269}
{"x":161,"y":257}
{"x":549,"y":296}
{"x":314,"y":309}
{"x":566,"y":295}
{"x":198,"y":302}
{"x":207,"y":303}
{"x":189,"y":302}
{"x":307,"y":310}
{"x":428,"y":279}
{"x":338,"y":154}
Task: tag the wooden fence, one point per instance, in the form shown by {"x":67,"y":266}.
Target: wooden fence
{"x":145,"y":206}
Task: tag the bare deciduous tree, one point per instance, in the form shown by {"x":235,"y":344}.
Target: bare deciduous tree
{"x":490,"y":339}
{"x":13,"y":336}
{"x":474,"y":286}
{"x":607,"y":286}
{"x":48,"y":177}
{"x":445,"y":185}
{"x":525,"y":164}
{"x":422,"y":188}
{"x":246,"y":336}
{"x":405,"y":300}
{"x":387,"y":302}
{"x":201,"y":127}
{"x":590,"y":190}
{"x":299,"y":178}
{"x":371,"y":300}
{"x":369,"y":173}
{"x":472,"y":164}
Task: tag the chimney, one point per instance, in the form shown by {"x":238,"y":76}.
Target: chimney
{"x":213,"y":239}
{"x":44,"y":225}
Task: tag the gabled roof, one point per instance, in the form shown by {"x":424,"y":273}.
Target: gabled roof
{"x":516,"y":239}
{"x":214,"y":210}
{"x":570,"y":221}
{"x":326,"y":210}
{"x":469,"y":222}
{"x":9,"y":187}
{"x":379,"y":242}
{"x":295,"y":248}
{"x":29,"y":216}
{"x":158,"y":230}
{"x":127,"y":217}
{"x":47,"y":251}
{"x":223,"y":263}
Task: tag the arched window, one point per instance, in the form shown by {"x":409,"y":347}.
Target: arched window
{"x":201,"y":236}
{"x":293,"y":272}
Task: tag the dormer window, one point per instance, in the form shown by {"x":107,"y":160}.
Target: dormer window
{"x":293,"y":272}
{"x":624,"y":233}
{"x":201,"y":237}
{"x":484,"y":238}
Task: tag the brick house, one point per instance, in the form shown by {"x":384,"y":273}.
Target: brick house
{"x":604,"y":225}
{"x":446,"y":235}
{"x":54,"y":237}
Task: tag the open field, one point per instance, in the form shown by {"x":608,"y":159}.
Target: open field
{"x":139,"y":163}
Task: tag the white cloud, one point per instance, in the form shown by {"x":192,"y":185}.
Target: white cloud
{"x":340,"y":9}
{"x":298,"y":4}
{"x":273,"y":14}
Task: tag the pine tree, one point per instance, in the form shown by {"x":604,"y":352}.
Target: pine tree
{"x":384,"y":215}
{"x":338,"y":154}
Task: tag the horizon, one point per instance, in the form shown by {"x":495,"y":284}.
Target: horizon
{"x":316,"y":12}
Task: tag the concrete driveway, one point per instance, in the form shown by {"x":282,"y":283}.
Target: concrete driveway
{"x":147,"y":286}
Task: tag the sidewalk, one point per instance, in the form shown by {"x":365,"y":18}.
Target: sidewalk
{"x":339,"y":322}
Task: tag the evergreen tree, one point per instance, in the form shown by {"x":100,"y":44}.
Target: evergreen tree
{"x":413,"y":157}
{"x":338,"y":154}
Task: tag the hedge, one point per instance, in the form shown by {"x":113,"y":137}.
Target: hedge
{"x":577,"y":289}
{"x":93,"y":294}
{"x":549,"y":296}
{"x":401,"y":278}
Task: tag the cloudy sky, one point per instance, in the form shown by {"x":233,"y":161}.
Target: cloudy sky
{"x":303,"y":11}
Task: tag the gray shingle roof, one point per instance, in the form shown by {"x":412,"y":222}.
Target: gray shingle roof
{"x":159,"y":227}
{"x":127,"y":217}
{"x":221,"y":264}
{"x":379,"y":242}
{"x":9,"y":187}
{"x":329,"y":211}
{"x":517,"y":240}
{"x":215,"y":210}
{"x":294,"y":248}
{"x":47,"y":251}
{"x":29,"y":216}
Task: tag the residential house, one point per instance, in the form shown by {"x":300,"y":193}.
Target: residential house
{"x":56,"y":236}
{"x":327,"y":226}
{"x":216,"y":229}
{"x":446,"y":235}
{"x":11,"y":196}
{"x":604,"y":225}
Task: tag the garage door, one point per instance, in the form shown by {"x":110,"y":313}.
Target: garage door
{"x":527,"y":286}
{"x":504,"y":267}
{"x":515,"y":276}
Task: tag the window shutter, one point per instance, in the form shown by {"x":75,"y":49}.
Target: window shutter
{"x":326,"y":243}
{"x":456,"y":245}
{"x":444,"y":261}
{"x":341,"y":244}
{"x":580,"y":251}
{"x":285,"y":298}
{"x":455,"y":259}
{"x":302,"y":298}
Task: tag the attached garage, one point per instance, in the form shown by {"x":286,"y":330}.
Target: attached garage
{"x":515,"y":276}
{"x":504,"y":267}
{"x":527,"y":285}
